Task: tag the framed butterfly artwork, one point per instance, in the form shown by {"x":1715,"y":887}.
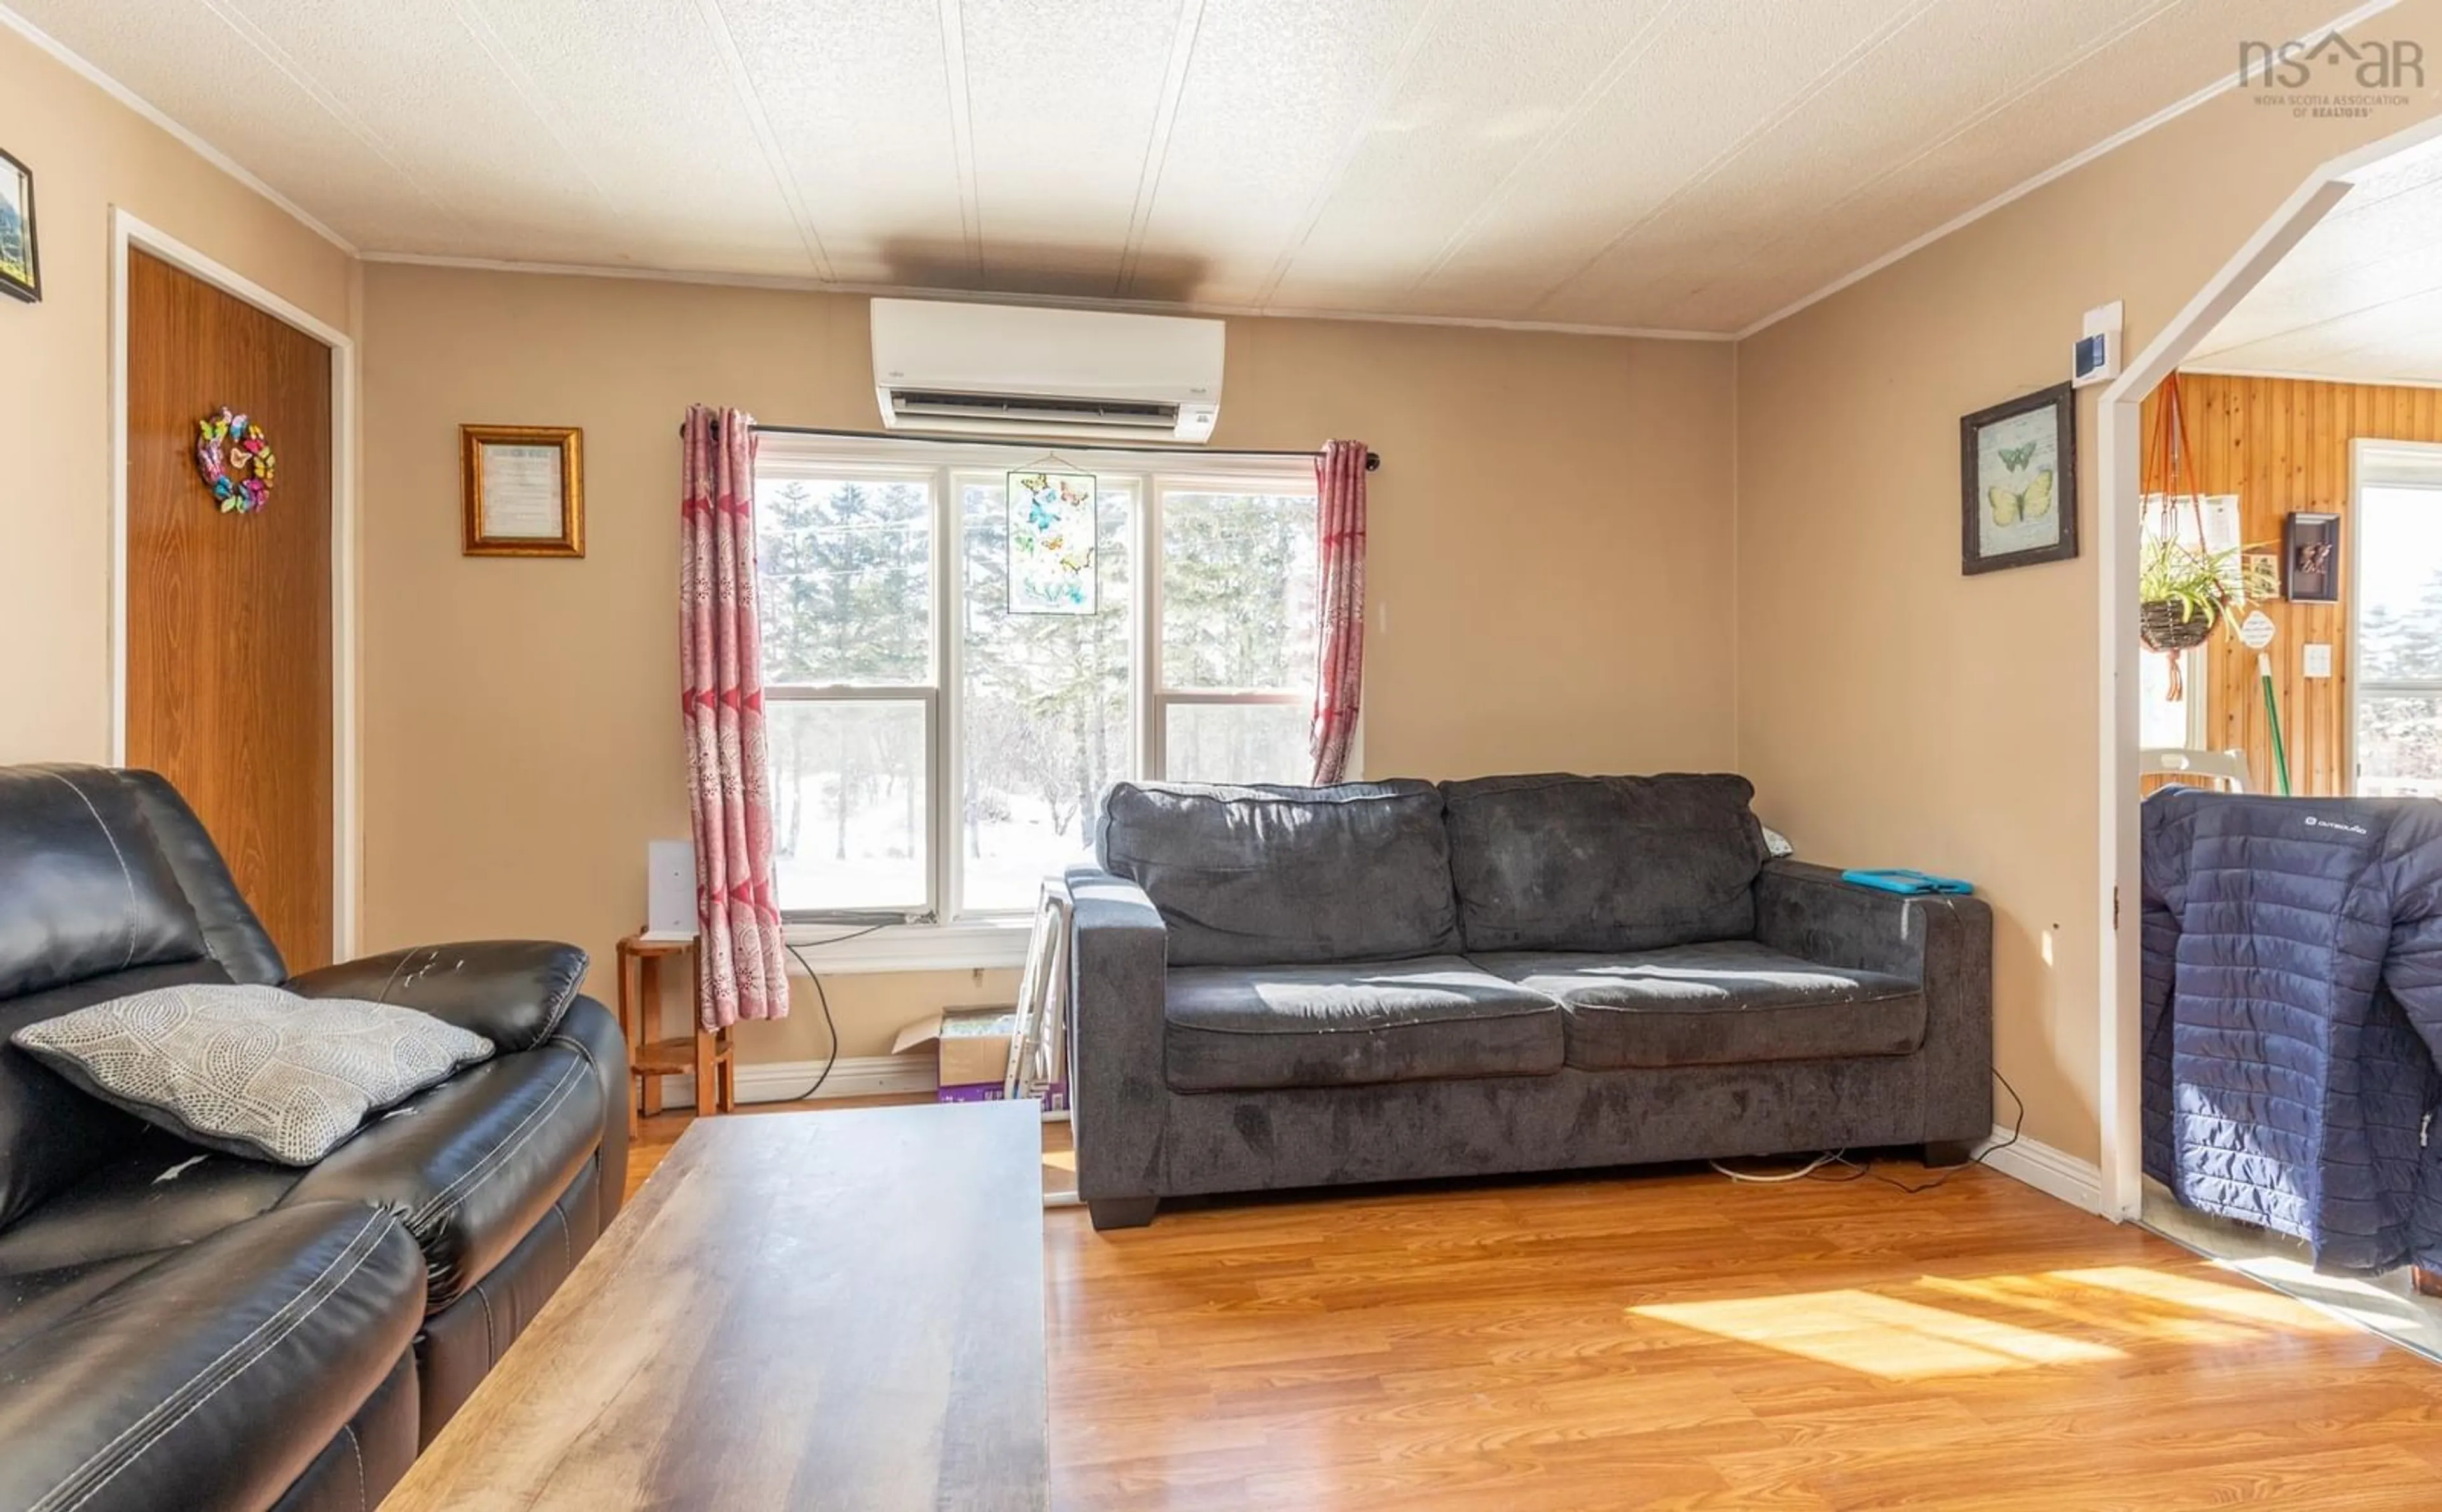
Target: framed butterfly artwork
{"x":2018,"y":464}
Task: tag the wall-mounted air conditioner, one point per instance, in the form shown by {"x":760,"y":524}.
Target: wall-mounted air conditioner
{"x":1007,"y":370}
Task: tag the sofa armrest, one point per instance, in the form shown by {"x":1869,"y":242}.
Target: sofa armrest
{"x":1941,"y":941}
{"x":1119,"y":961}
{"x":593,"y":1030}
{"x":511,"y":991}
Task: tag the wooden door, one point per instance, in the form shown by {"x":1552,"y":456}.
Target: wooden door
{"x":229,"y":616}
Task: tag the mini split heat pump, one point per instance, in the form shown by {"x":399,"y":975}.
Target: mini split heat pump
{"x":1005,"y":370}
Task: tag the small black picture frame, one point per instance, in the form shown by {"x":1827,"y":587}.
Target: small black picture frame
{"x":2017,"y":481}
{"x":21,"y":262}
{"x":2310,"y":557}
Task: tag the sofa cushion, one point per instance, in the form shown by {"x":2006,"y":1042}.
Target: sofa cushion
{"x":1286,"y":876}
{"x":473,"y":1164}
{"x":1724,"y":1003}
{"x":1602,"y":863}
{"x":84,"y":889}
{"x":161,"y":1193}
{"x":1234,"y":1029}
{"x":211,"y":1374}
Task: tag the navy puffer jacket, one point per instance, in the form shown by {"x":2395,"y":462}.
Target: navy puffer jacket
{"x":2293,"y":1017}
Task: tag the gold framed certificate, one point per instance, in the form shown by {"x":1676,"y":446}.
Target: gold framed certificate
{"x":524,"y":490}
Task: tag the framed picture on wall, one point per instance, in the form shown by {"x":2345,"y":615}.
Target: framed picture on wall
{"x":2310,"y":557}
{"x":21,"y":268}
{"x":2018,"y":464}
{"x":524,"y":490}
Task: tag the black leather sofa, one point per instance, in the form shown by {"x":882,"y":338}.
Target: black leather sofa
{"x":180,"y":1328}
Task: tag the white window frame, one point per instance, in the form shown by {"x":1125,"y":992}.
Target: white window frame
{"x":2394,"y":465}
{"x":1154,"y":691}
{"x":2193,"y":674}
{"x":785,"y":466}
{"x":940,"y":936}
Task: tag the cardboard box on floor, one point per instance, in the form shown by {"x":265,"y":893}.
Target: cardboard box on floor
{"x":971,"y":1049}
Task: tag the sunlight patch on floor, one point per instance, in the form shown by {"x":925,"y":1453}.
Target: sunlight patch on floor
{"x":1879,"y":1336}
{"x":2243,"y":1303}
{"x":2112,"y":1313}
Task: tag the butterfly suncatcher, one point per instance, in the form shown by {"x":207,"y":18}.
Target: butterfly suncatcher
{"x":1052,"y":543}
{"x":2029,"y":504}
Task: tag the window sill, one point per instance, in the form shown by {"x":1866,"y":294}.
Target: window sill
{"x":991,"y":945}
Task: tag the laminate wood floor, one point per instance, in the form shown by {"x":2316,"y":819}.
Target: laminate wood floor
{"x":1670,"y":1341}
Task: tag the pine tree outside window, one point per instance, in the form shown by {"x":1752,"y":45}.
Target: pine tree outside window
{"x":936,"y":756}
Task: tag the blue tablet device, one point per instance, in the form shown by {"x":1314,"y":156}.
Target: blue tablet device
{"x":1901,"y":880}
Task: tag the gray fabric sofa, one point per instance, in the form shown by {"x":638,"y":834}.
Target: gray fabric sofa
{"x":1301,"y":987}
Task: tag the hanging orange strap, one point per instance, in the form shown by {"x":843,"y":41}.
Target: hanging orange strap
{"x":2165,"y":461}
{"x":2165,"y":467}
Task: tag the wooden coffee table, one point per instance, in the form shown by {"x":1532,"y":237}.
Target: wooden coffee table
{"x":800,"y":1311}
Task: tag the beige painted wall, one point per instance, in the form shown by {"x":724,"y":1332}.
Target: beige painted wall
{"x":1895,"y":712}
{"x":1550,"y":541}
{"x":1553,"y":542}
{"x":88,"y":153}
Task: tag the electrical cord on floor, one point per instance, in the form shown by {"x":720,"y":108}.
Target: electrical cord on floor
{"x":1864,"y":1170}
{"x":830,"y":1026}
{"x":1757,"y":1179}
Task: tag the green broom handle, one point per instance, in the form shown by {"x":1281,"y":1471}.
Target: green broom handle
{"x":2272,"y":716}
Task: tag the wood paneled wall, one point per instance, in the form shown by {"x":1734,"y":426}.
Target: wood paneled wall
{"x":2281,"y":445}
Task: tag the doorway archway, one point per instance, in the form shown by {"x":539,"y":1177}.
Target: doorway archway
{"x":2119,"y":439}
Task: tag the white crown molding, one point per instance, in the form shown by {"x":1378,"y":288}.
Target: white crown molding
{"x":903,"y":291}
{"x":2061,"y":170}
{"x":2077,"y":1182}
{"x":75,"y":63}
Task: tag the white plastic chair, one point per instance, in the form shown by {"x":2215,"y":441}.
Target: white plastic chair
{"x":2219,"y":767}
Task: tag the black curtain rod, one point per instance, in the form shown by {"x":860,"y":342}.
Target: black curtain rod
{"x":1372,"y":459}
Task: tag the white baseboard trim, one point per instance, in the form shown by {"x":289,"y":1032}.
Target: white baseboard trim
{"x":786,"y":1081}
{"x":2077,"y":1182}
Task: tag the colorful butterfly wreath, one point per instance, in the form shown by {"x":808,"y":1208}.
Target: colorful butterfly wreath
{"x":234,"y":458}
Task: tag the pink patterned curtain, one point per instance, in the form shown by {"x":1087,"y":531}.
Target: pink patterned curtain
{"x":741,"y":972}
{"x":1339,"y":670}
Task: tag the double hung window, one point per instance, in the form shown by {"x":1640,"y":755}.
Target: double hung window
{"x":938,"y":750}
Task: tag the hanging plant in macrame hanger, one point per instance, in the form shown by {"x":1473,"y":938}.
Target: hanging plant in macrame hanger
{"x":2184,"y":587}
{"x":233,"y":458}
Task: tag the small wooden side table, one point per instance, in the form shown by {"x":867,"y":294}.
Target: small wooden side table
{"x":709,"y":1056}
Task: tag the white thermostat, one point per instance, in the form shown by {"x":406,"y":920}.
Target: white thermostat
{"x":2098,"y":349}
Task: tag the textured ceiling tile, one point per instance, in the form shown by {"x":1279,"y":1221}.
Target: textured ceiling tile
{"x":2402,"y":340}
{"x":2377,"y":248}
{"x":857,"y":94}
{"x":1892,"y":102}
{"x":1275,"y":92}
{"x":1490,"y":84}
{"x":648,"y":84}
{"x":2021,"y":134}
{"x":1695,"y":164}
{"x":179,"y":55}
{"x":1716,"y":75}
{"x":451,"y":98}
{"x":1063,"y":96}
{"x":2358,"y":292}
